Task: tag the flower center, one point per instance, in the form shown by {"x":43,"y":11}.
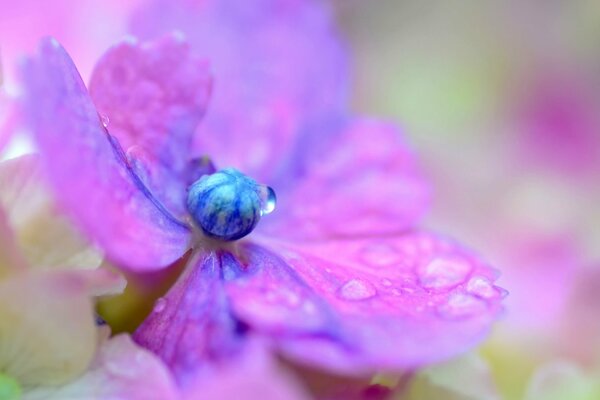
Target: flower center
{"x":227,"y":205}
{"x":9,"y":388}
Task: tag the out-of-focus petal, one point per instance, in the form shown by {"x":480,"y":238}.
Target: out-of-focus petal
{"x":47,"y":328}
{"x":359,"y":306}
{"x":191,"y":328}
{"x":44,"y":235}
{"x":562,"y":380}
{"x":362,"y":181}
{"x":120,"y":370}
{"x":152,"y":96}
{"x":253,"y":375}
{"x":278,"y":66}
{"x":6,"y":116}
{"x":559,"y":123}
{"x":466,"y":378}
{"x":88,"y":170}
{"x":11,"y":260}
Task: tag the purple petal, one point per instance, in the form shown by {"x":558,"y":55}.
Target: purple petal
{"x":278,"y":65}
{"x":365,"y":305}
{"x":378,"y":304}
{"x":363,"y":180}
{"x":251,"y":376}
{"x":191,"y":328}
{"x":153,"y":96}
{"x":88,"y":171}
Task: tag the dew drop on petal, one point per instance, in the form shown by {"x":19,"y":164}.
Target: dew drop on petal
{"x":105,"y":120}
{"x":380,"y":254}
{"x":160,"y":305}
{"x":482,"y":287}
{"x":443,"y":273}
{"x":386,"y":282}
{"x":357,"y":289}
{"x":461,"y":305}
{"x":268,"y":200}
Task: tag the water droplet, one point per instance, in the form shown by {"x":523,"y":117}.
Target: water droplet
{"x":268,"y":200}
{"x":443,"y":273}
{"x":482,"y":287}
{"x":461,"y":305}
{"x":357,"y":289}
{"x":105,"y":120}
{"x":386,"y":282}
{"x":160,"y":305}
{"x":380,"y":254}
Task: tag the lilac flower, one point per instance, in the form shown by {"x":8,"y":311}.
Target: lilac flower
{"x":338,"y":277}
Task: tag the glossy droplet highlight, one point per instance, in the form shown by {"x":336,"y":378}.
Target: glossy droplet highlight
{"x":268,"y":200}
{"x":482,"y":287}
{"x":462,"y":305}
{"x":105,"y":120}
{"x":357,"y":289}
{"x":443,"y":273}
{"x":160,"y":305}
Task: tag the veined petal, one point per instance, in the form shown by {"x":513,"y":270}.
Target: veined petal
{"x":88,"y":170}
{"x":210,"y":353}
{"x":366,"y":305}
{"x":353,"y":307}
{"x":191,"y":328}
{"x":153,"y":96}
{"x":278,"y":65}
{"x":47,"y":328}
{"x":363,"y":180}
{"x":45,"y":237}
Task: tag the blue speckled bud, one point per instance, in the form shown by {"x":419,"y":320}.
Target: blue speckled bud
{"x":227,"y":205}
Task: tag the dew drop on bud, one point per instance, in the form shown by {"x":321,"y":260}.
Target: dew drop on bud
{"x":268,"y":200}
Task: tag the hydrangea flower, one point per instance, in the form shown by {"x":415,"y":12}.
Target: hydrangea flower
{"x":54,"y":308}
{"x":338,"y":277}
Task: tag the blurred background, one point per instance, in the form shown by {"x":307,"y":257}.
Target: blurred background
{"x":501,"y":100}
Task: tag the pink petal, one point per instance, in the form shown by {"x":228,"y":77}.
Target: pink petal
{"x":191,"y":328}
{"x":154,"y":95}
{"x":88,"y":171}
{"x":278,"y":66}
{"x":377,"y":304}
{"x":363,"y":180}
{"x":253,"y":375}
{"x":364,"y":305}
{"x":120,"y":370}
